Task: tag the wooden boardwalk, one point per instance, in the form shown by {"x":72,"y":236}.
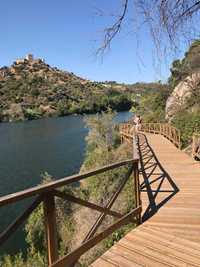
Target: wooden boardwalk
{"x":170,"y":191}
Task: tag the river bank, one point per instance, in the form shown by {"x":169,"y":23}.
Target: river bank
{"x":31,"y":148}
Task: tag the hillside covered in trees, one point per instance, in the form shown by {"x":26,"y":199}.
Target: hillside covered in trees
{"x":31,"y":89}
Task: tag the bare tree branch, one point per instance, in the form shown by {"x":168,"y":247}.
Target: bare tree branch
{"x":168,"y":21}
{"x":112,"y":31}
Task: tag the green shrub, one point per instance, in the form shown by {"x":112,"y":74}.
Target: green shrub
{"x":32,"y":114}
{"x":33,"y":260}
{"x":35,"y":92}
{"x":152,"y":106}
{"x":188,"y":123}
{"x":63,"y":108}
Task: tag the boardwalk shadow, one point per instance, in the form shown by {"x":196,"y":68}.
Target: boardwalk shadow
{"x":155,"y":179}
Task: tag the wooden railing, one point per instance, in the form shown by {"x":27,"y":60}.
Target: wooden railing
{"x":46,"y":195}
{"x":166,"y":129}
{"x":125,"y":127}
{"x":196,"y":146}
{"x":125,"y":132}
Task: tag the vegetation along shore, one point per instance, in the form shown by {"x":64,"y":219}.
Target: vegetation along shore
{"x":32,"y":89}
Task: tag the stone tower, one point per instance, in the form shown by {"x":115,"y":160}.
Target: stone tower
{"x":29,"y":57}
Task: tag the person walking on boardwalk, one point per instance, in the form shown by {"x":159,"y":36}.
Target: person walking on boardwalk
{"x":136,"y":124}
{"x":137,"y":121}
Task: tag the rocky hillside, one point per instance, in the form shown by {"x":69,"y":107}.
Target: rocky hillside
{"x":184,"y":96}
{"x":185,"y":82}
{"x":177,"y":102}
{"x":30,"y":89}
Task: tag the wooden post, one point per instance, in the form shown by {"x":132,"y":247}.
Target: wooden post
{"x":135,"y":147}
{"x":137,"y":189}
{"x":136,"y":181}
{"x":50,"y":224}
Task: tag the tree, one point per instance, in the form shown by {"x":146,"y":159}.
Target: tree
{"x":168,"y":21}
{"x":102,"y":131}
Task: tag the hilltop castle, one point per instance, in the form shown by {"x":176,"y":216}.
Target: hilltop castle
{"x":29,"y":58}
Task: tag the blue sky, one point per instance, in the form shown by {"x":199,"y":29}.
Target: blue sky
{"x":67,"y":33}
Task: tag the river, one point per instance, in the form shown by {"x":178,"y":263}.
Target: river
{"x":28,"y":149}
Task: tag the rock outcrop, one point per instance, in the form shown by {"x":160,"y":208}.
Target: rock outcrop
{"x":180,"y":95}
{"x":185,"y":82}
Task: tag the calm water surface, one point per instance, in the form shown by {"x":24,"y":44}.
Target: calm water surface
{"x":28,"y":149}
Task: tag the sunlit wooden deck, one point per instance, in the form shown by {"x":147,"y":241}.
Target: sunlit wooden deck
{"x":170,"y":190}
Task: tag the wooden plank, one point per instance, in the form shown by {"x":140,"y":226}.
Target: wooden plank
{"x":120,"y":260}
{"x":125,"y":250}
{"x":102,"y":262}
{"x":154,"y":254}
{"x":165,"y":246}
{"x":176,"y":242}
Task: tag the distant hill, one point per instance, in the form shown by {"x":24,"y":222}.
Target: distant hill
{"x":31,"y":89}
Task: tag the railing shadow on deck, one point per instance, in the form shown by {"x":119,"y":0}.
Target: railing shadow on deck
{"x":152,"y":172}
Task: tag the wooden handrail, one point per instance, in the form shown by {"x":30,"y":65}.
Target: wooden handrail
{"x":46,"y":194}
{"x":165,"y":129}
{"x":33,"y":191}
